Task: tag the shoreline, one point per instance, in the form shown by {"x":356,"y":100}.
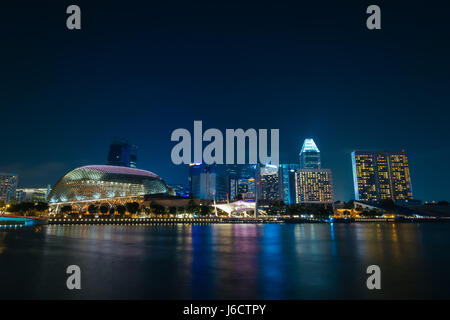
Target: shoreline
{"x":20,"y":223}
{"x":148,"y":221}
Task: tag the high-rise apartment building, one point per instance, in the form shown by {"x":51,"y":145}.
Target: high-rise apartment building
{"x":314,"y":186}
{"x":309,"y":155}
{"x":8,"y":185}
{"x":122,"y":154}
{"x":381,"y":175}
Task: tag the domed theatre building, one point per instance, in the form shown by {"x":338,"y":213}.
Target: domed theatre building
{"x":97,"y":184}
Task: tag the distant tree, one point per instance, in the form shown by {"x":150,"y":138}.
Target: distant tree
{"x":387,"y":204}
{"x":173,"y":210}
{"x":346,"y":213}
{"x":349,"y":205}
{"x":147,"y":210}
{"x":192,"y":207}
{"x":112,"y":211}
{"x":372,"y":213}
{"x":159,"y":209}
{"x":23,"y":208}
{"x":181,"y":209}
{"x":66,"y":209}
{"x":92,"y":209}
{"x":11,"y":208}
{"x":121,"y":210}
{"x":205,"y":210}
{"x":291,"y":210}
{"x":41,"y":206}
{"x":104,"y":209}
{"x":132,"y":207}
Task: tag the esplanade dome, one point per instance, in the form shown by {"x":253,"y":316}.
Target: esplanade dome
{"x":96,"y":182}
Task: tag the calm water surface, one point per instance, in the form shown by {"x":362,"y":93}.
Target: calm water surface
{"x":225,"y":261}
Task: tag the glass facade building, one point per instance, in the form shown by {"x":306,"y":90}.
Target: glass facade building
{"x":269,"y":186}
{"x":8,"y":185}
{"x":99,"y":182}
{"x":244,"y":188}
{"x":309,"y":155}
{"x":314,"y":186}
{"x":32,"y":194}
{"x":381,"y":175}
{"x":208,"y":182}
{"x":287,"y":180}
{"x":240,"y":175}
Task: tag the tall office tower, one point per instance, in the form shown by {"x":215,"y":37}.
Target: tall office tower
{"x":268,"y":179}
{"x":8,"y":185}
{"x":122,"y":154}
{"x":243,"y":188}
{"x":287,"y":180}
{"x":314,"y":186}
{"x":235,"y":172}
{"x":309,"y":155}
{"x":208,"y":181}
{"x":381,"y":175}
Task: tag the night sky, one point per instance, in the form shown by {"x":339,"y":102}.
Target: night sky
{"x":139,"y":70}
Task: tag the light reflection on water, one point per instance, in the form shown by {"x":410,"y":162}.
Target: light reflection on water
{"x":236,"y":261}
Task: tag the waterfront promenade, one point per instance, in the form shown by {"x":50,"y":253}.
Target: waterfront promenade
{"x":17,"y":222}
{"x":207,"y":220}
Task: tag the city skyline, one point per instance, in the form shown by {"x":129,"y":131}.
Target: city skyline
{"x":378,"y":175}
{"x":272,"y":66}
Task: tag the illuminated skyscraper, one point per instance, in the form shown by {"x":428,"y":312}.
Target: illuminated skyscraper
{"x":381,"y":175}
{"x":8,"y":185}
{"x":208,"y":181}
{"x":245,"y":188}
{"x":269,"y":187}
{"x":314,"y":186}
{"x":287,"y":180}
{"x":309,"y":155}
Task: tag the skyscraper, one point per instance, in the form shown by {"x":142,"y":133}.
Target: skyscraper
{"x":309,"y":155}
{"x":381,"y":175}
{"x":122,"y":154}
{"x":269,"y":187}
{"x":237,"y":172}
{"x":243,"y":187}
{"x":208,"y":181}
{"x":8,"y":185}
{"x":287,"y":180}
{"x":314,"y":186}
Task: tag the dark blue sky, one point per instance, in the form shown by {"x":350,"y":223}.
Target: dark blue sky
{"x":139,"y":70}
